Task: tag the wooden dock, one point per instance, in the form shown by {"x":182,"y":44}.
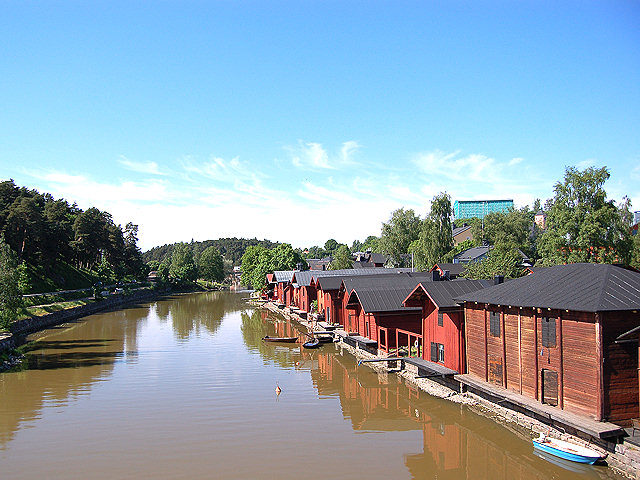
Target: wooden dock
{"x":578,"y":425}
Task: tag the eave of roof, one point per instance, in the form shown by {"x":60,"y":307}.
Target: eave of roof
{"x":585,"y":287}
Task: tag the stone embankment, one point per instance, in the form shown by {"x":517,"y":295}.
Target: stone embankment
{"x":21,"y":328}
{"x":624,"y":460}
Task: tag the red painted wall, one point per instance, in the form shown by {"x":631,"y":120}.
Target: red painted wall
{"x":450,"y":334}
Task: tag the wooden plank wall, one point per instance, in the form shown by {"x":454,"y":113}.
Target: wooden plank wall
{"x":475,"y":334}
{"x":620,"y":368}
{"x":495,"y":352}
{"x":581,"y":365}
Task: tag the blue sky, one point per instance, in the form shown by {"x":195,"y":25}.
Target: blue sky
{"x":300,"y":121}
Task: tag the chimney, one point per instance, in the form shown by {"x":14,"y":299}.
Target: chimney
{"x":498,"y":279}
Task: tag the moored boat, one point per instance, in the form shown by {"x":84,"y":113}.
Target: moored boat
{"x":313,"y":343}
{"x":567,"y":450}
{"x":280,"y":339}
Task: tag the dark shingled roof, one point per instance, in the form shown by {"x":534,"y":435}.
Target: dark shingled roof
{"x":473,"y":253}
{"x":384,"y":293}
{"x":455,"y":269}
{"x":304,"y":278}
{"x":444,"y":294}
{"x":585,"y":287}
{"x":283,"y":275}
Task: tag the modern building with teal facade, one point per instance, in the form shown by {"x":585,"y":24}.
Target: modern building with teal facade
{"x":479,"y":208}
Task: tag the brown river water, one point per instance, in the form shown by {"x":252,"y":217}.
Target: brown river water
{"x":184,"y":388}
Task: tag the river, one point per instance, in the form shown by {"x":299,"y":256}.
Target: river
{"x":184,"y":388}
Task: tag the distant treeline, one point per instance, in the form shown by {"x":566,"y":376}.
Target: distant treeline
{"x":42,"y":231}
{"x":231,"y":249}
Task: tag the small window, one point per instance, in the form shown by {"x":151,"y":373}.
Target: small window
{"x":440,"y":319}
{"x":437,"y":352}
{"x":494,"y":323}
{"x":548,"y":332}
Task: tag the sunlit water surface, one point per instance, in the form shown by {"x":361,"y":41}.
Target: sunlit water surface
{"x":185,"y":388}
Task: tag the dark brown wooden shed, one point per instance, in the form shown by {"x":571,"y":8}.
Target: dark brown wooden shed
{"x":565,"y":336}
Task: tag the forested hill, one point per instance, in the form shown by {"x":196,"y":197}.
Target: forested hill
{"x":231,"y":249}
{"x":45,"y":233}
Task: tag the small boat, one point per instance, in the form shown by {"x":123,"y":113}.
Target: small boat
{"x":280,"y":339}
{"x":325,"y":338}
{"x":313,"y":343}
{"x":567,"y":450}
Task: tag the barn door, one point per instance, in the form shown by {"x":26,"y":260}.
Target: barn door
{"x":549,"y":387}
{"x":495,"y":370}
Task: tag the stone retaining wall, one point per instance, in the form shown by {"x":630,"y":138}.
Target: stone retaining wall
{"x":21,"y":328}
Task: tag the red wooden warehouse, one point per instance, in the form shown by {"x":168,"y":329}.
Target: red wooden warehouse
{"x":443,"y":319}
{"x":374,"y":310}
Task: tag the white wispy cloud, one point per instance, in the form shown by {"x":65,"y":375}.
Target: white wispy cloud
{"x":219,"y":197}
{"x":347,"y":151}
{"x":588,"y":163}
{"x":219,"y":169}
{"x":313,"y":155}
{"x":88,"y":192}
{"x":473,"y":167}
{"x":309,"y":154}
{"x":150,"y":168}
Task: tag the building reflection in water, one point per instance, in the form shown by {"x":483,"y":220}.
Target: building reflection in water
{"x":456,"y":443}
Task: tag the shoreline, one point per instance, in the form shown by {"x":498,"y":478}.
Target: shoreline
{"x":624,"y":460}
{"x":20,"y":329}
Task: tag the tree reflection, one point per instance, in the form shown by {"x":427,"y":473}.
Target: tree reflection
{"x":456,"y":443}
{"x":65,"y":361}
{"x":260,"y":323}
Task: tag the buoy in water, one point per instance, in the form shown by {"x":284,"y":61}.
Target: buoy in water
{"x":278,"y":389}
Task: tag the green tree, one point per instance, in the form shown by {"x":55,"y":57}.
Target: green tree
{"x":315,"y":252}
{"x":263,"y":266}
{"x":211,"y":266}
{"x":10,"y":298}
{"x":163,"y":271}
{"x":512,"y":226}
{"x":372,"y":243}
{"x":331,"y":246}
{"x":435,"y":239}
{"x":153,"y":265}
{"x":402,"y":229}
{"x":183,"y":266}
{"x":342,"y":259}
{"x":504,"y":259}
{"x":91,"y":236}
{"x":25,"y":226}
{"x":104,"y":270}
{"x":582,"y":225}
{"x":250,"y":260}
{"x":635,"y":251}
{"x":133,"y":263}
{"x":284,"y":257}
{"x":24,"y":281}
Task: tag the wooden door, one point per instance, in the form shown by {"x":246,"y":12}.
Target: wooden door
{"x":495,"y":370}
{"x":549,"y":387}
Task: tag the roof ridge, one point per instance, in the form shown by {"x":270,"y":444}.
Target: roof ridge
{"x":603,"y":287}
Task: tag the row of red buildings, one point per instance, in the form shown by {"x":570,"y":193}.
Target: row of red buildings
{"x":565,"y":336}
